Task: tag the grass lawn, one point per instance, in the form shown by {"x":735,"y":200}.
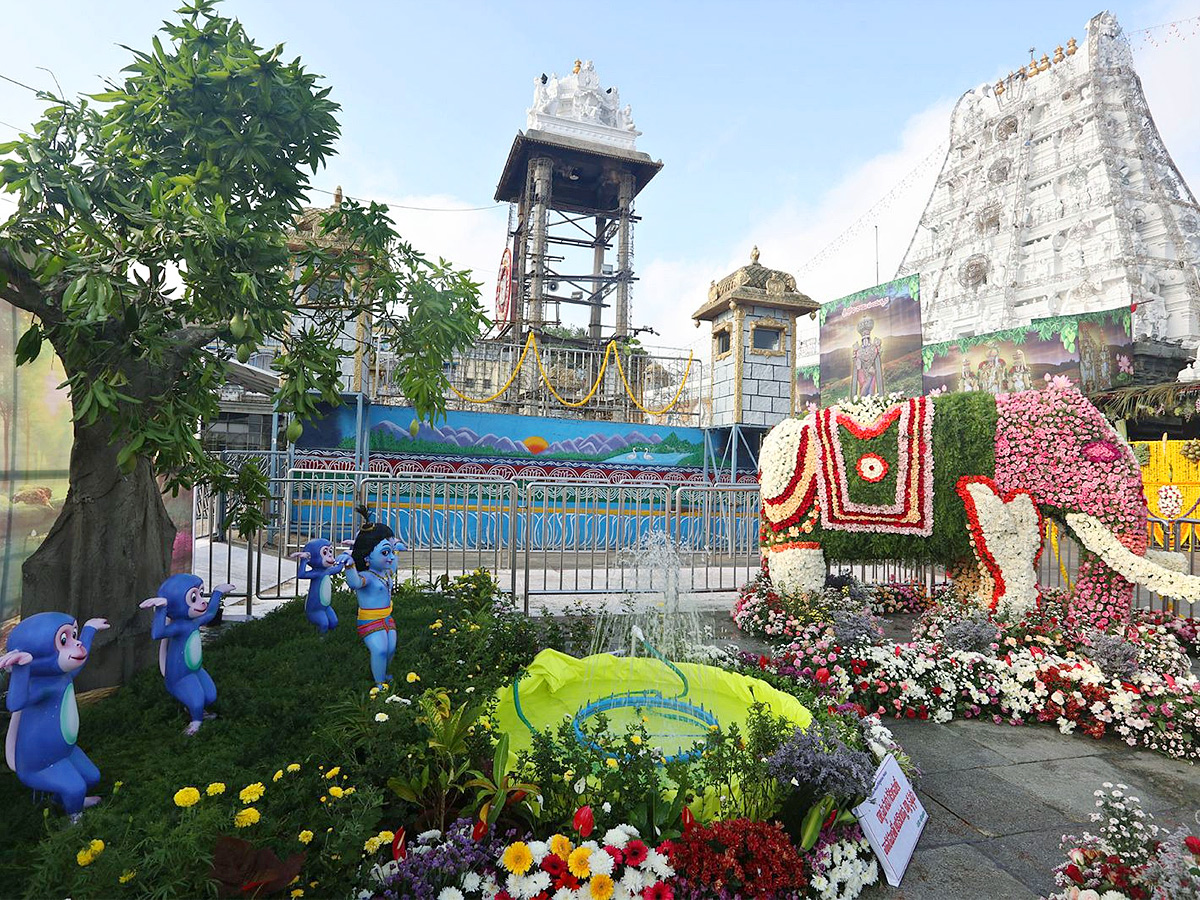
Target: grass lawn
{"x":285,"y":696}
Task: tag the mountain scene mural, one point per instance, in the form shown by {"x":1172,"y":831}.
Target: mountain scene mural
{"x":464,"y":433}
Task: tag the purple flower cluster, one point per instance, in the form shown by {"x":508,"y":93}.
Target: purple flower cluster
{"x":819,"y":759}
{"x":439,"y":864}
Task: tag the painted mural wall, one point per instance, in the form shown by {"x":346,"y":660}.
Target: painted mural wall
{"x":508,"y":445}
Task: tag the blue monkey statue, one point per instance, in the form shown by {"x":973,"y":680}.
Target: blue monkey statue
{"x":46,"y":652}
{"x":374,"y":558}
{"x":179,"y":611}
{"x":318,"y":563}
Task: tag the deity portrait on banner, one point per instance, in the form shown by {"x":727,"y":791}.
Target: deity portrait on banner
{"x":1020,"y":376}
{"x":966,"y":376}
{"x":867,"y":375}
{"x":992,"y":371}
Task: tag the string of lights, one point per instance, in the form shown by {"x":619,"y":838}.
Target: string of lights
{"x":871,"y":214}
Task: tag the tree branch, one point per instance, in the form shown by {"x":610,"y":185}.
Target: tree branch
{"x":20,"y":288}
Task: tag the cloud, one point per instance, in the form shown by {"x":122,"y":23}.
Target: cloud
{"x":812,"y":240}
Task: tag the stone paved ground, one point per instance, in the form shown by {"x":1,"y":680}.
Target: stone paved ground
{"x":1000,"y":797}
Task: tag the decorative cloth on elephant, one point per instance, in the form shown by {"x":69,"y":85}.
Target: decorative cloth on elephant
{"x":877,"y":476}
{"x":1006,"y":535}
{"x":789,"y":488}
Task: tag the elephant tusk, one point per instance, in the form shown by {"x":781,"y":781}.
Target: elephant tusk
{"x":1144,"y":570}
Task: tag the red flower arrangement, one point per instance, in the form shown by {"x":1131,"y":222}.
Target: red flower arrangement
{"x":751,"y":859}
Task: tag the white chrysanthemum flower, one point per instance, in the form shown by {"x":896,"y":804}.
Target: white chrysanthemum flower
{"x":538,"y":849}
{"x":633,"y":880}
{"x":471,"y":882}
{"x":601,"y":863}
{"x":450,"y":893}
{"x":538,"y":882}
{"x":616,"y":837}
{"x":428,"y":837}
{"x":657,"y":864}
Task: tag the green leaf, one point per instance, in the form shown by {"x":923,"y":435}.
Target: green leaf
{"x":30,"y":345}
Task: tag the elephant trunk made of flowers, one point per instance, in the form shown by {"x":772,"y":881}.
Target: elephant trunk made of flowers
{"x":964,"y":480}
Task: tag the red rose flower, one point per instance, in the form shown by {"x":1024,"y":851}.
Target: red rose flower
{"x":1192,"y":843}
{"x":1071,"y":871}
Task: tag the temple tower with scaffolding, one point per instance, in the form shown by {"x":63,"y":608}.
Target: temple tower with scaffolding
{"x":571,"y":178}
{"x":1057,"y":196}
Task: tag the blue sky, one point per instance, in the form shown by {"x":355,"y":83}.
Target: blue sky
{"x":779,"y":123}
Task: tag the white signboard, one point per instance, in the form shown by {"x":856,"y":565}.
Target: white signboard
{"x":892,"y":818}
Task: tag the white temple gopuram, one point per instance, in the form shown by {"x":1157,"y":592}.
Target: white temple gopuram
{"x":1057,"y":196}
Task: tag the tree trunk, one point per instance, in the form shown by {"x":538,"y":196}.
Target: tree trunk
{"x":109,"y":549}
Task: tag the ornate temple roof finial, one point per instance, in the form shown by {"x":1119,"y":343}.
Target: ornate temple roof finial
{"x":754,"y":256}
{"x":337,"y":196}
{"x":578,"y":65}
{"x":1071,"y":48}
{"x":1058,"y":54}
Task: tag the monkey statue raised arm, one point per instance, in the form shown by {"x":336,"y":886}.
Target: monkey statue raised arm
{"x":318,"y":564}
{"x":46,"y":651}
{"x":179,"y":611}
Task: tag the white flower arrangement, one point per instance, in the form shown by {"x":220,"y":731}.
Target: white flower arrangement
{"x":797,"y":569}
{"x":1137,"y":569}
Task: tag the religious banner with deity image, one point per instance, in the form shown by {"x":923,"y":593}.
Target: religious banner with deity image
{"x":871,"y":342}
{"x":1094,"y":351}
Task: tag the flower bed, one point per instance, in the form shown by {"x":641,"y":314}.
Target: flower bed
{"x":1130,"y":858}
{"x":1136,"y":683}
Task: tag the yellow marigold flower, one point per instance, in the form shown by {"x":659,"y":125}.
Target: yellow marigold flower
{"x":245,"y":817}
{"x":84,"y":857}
{"x":560,"y":846}
{"x":578,"y":863}
{"x":411,"y":677}
{"x":185,"y":797}
{"x":517,"y":857}
{"x":333,"y":773}
{"x":387,"y":836}
{"x":348,"y":791}
{"x":372,"y":844}
{"x":373,"y":693}
{"x":298,"y":892}
{"x":217,"y":787}
{"x":611,"y":762}
{"x":96,"y":846}
{"x":293,"y":767}
{"x":600,"y":887}
{"x":305,"y":836}
{"x":251,"y":792}
{"x":278,"y":774}
{"x":335,"y":792}
{"x":635,"y":738}
{"x":127,"y":876}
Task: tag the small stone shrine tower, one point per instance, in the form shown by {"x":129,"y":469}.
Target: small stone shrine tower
{"x":753,"y":314}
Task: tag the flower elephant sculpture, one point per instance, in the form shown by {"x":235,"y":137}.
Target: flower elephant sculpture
{"x":965,"y":480}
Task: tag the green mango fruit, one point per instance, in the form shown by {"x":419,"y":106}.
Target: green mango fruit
{"x":237,"y":326}
{"x":243,"y":353}
{"x":294,"y":431}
